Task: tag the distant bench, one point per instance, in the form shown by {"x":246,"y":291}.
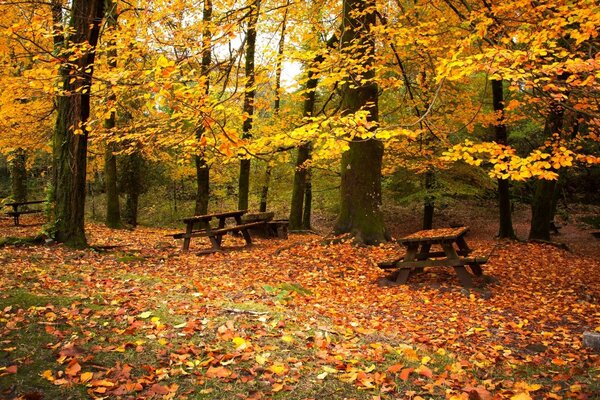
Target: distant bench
{"x":16,"y":212}
{"x":199,"y":226}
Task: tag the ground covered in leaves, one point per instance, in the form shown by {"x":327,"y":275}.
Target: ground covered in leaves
{"x":293,"y":319}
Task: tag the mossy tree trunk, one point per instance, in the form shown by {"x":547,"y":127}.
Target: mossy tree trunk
{"x":360,"y":208}
{"x":70,"y":138}
{"x":18,"y":175}
{"x":506,"y":230}
{"x":306,"y":215}
{"x":202,"y":168}
{"x":542,"y":202}
{"x":248,"y":108}
{"x":113,"y":212}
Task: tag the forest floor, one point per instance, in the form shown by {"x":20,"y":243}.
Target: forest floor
{"x":296,"y":318}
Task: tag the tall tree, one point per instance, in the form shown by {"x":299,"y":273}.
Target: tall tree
{"x":113,"y":213}
{"x":70,"y":133}
{"x":264,"y":195}
{"x":360,"y":208}
{"x":202,"y":168}
{"x":542,"y":210}
{"x":505,"y":216}
{"x":248,"y":108}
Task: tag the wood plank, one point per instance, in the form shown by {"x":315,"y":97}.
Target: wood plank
{"x":433,"y":236}
{"x":208,"y":217}
{"x":430,"y":263}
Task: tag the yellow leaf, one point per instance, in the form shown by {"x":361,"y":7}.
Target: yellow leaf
{"x":86,"y":377}
{"x":145,"y":314}
{"x":278,"y":369}
{"x":521,"y":396}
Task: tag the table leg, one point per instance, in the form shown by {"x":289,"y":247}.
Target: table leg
{"x":463,"y":246}
{"x":215,"y":241}
{"x":476,"y":268}
{"x":463,"y":275}
{"x":188,"y":231}
{"x":411,"y":255}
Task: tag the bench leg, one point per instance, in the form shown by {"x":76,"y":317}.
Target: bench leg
{"x":247,"y":236}
{"x":16,"y":218}
{"x":463,"y":275}
{"x":404,"y":273}
{"x":188,"y":231}
{"x":216,"y":242}
{"x":476,"y":268}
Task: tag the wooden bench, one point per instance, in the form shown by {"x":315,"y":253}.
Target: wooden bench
{"x":16,"y":212}
{"x":419,"y":255}
{"x":596,"y":234}
{"x":216,"y":234}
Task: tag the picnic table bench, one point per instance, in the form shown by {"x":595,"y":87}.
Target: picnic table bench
{"x":419,"y":254}
{"x":199,"y":226}
{"x":16,"y":212}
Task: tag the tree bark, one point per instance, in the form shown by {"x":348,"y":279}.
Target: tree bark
{"x":113,"y":212}
{"x":203,"y":185}
{"x":541,"y":207}
{"x":264,"y":195}
{"x":70,"y":134}
{"x":428,"y":202}
{"x":306,"y":215}
{"x":360,"y":211}
{"x":18,"y":175}
{"x":298,"y":191}
{"x":131,"y":185}
{"x":506,"y":230}
{"x":248,"y":108}
{"x":202,"y":168}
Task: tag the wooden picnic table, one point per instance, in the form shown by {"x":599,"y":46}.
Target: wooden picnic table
{"x":16,"y":212}
{"x":199,"y":226}
{"x":419,"y":254}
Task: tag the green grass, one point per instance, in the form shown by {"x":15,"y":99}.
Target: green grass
{"x":27,"y":347}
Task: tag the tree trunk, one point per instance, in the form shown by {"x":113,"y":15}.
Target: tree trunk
{"x":113,"y":212}
{"x":429,"y":201}
{"x":360,"y":211}
{"x":70,"y":134}
{"x":506,"y":230}
{"x":299,"y":188}
{"x":264,"y":195}
{"x":203,"y":185}
{"x":541,"y":207}
{"x":248,"y":109}
{"x":18,"y":175}
{"x":132,"y":186}
{"x":202,"y":168}
{"x":306,"y":215}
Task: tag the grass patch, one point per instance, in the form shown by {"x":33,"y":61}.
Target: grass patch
{"x":25,"y":299}
{"x":20,"y":241}
{"x":26,"y":345}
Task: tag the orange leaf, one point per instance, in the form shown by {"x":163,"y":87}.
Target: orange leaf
{"x":218,"y":372}
{"x":395,"y":368}
{"x":73,"y":368}
{"x":405,"y":373}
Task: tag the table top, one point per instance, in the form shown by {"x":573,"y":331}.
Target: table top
{"x":208,"y":217}
{"x":434,"y":235}
{"x":23,"y":203}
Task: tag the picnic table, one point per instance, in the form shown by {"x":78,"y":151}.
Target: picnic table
{"x":199,"y":226}
{"x":419,"y":254}
{"x":17,"y":212}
